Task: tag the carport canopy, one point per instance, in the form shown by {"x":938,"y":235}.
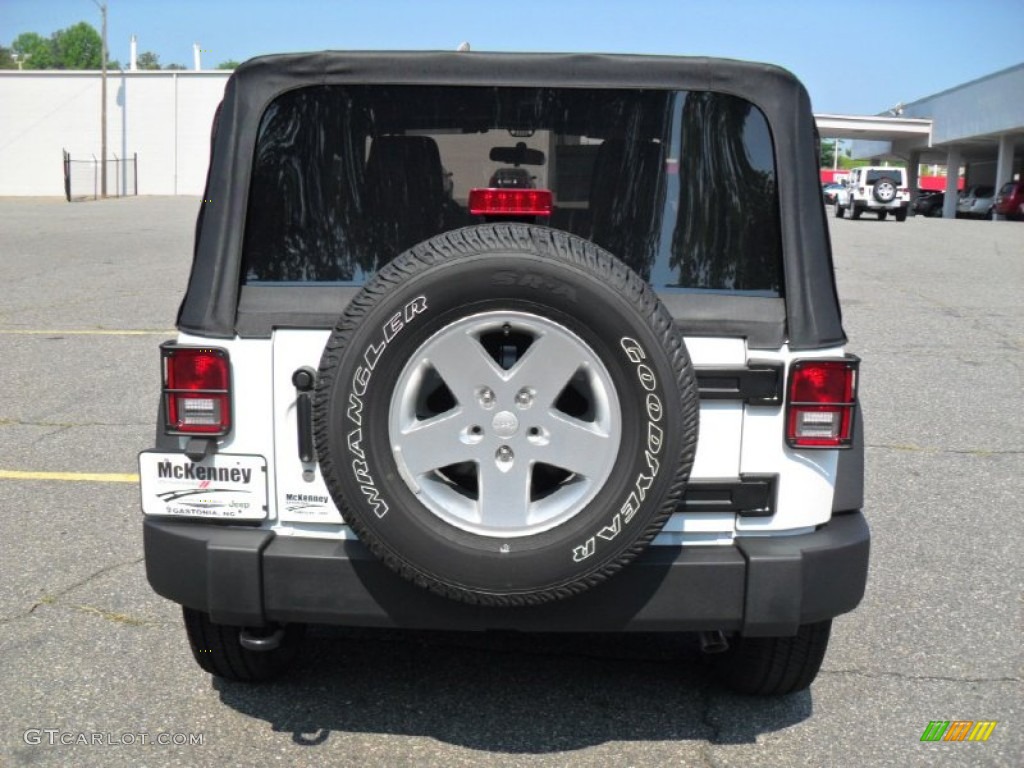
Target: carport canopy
{"x":873,"y":127}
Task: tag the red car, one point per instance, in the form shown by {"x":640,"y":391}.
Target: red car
{"x":1010,"y":200}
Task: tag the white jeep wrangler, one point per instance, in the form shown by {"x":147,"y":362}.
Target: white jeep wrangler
{"x":615,"y":399}
{"x":877,"y":188}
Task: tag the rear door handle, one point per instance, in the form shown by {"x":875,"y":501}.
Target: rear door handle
{"x":304,"y":379}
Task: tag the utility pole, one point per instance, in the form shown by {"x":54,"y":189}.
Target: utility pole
{"x":103,"y":101}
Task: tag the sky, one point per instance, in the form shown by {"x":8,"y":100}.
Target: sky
{"x":855,"y":57}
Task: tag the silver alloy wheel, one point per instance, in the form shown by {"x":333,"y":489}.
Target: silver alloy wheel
{"x":510,"y":449}
{"x":885,"y":191}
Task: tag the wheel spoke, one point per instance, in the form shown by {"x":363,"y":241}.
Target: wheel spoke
{"x":435,"y":443}
{"x":504,"y":495}
{"x":547,"y":366}
{"x":575,"y":446}
{"x":463,"y":364}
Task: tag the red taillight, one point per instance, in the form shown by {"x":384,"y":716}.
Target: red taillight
{"x":197,"y":390}
{"x":510,"y":202}
{"x":819,"y":409}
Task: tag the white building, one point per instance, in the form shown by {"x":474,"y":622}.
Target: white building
{"x":163,"y":116}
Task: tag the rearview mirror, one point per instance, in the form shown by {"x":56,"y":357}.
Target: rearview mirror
{"x":520,"y":154}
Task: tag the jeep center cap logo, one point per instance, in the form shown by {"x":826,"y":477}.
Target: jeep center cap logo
{"x":505,"y":424}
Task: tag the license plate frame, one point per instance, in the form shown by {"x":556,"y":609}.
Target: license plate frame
{"x":223,"y":486}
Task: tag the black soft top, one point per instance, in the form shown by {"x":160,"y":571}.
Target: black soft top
{"x":812,"y":308}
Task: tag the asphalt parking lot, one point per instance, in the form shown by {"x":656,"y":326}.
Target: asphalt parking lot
{"x":934,"y":307}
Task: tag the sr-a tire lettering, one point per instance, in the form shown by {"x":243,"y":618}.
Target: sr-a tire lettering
{"x":655,"y":441}
{"x":360,"y":383}
{"x":537,"y":282}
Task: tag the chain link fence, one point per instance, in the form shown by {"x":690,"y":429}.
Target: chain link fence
{"x":83,"y":178}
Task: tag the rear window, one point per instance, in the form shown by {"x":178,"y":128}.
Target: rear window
{"x":679,"y":185}
{"x":895,"y":174}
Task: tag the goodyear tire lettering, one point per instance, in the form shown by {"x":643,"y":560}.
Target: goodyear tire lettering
{"x":655,"y":440}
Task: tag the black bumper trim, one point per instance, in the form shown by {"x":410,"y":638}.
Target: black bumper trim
{"x":757,"y":383}
{"x":750,"y":496}
{"x":761,"y":586}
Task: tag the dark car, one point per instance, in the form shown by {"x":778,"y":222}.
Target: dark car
{"x":511,"y":178}
{"x":830,"y":192}
{"x":929,"y":203}
{"x":1010,"y":200}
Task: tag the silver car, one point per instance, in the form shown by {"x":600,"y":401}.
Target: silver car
{"x":976,"y":203}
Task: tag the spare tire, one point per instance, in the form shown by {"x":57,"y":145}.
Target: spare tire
{"x":885,"y":190}
{"x":506,"y":415}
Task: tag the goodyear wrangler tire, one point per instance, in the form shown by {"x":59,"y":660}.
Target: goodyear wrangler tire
{"x":506,"y":415}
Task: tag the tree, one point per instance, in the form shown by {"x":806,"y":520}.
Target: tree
{"x":827,"y":153}
{"x":77,"y":47}
{"x":6,"y":59}
{"x":827,"y":157}
{"x":34,"y":51}
{"x":176,"y":67}
{"x":229,"y":64}
{"x":147,"y":60}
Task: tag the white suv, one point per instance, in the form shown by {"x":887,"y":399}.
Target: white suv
{"x":617,"y":398}
{"x":876,"y":188}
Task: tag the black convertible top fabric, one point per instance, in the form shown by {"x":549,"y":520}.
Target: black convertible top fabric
{"x":813,"y":317}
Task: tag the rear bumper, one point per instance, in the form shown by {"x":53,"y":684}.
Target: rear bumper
{"x":761,"y":586}
{"x":875,"y":205}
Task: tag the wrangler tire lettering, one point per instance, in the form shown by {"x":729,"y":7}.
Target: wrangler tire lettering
{"x":360,"y":383}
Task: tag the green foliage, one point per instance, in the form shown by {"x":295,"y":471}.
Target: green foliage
{"x":847,"y":163}
{"x":828,"y":148}
{"x":34,"y":51}
{"x":147,"y":60}
{"x":176,"y":67}
{"x":78,"y":47}
{"x":827,"y":153}
{"x":6,"y":59}
{"x":229,"y":64}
